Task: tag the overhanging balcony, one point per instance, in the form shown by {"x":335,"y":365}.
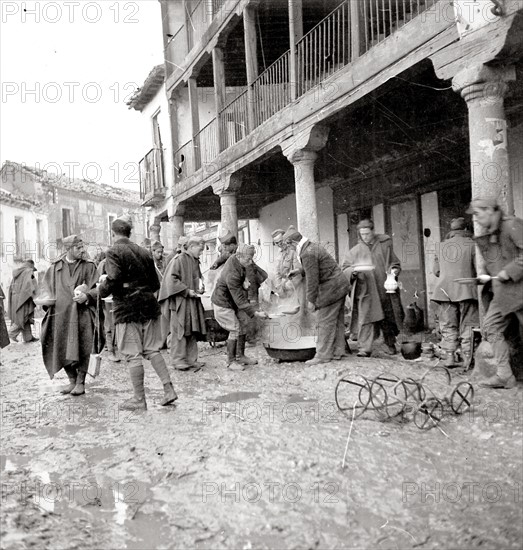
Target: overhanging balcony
{"x":346,"y":34}
{"x":152,"y":182}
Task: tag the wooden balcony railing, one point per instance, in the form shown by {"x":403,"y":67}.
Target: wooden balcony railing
{"x":152,"y":180}
{"x":184,"y":161}
{"x":233,"y":121}
{"x":325,"y":49}
{"x":206,"y":144}
{"x":349,"y":31}
{"x":272,"y":90}
{"x":383,"y":17}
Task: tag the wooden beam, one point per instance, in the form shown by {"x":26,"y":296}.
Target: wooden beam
{"x":357,"y":27}
{"x":218,"y":69}
{"x":295,"y":35}
{"x":195,"y":119}
{"x":251,"y":60}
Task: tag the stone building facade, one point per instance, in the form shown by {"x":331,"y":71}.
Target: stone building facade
{"x":323,"y":113}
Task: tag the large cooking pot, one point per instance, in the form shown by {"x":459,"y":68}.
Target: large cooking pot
{"x":289,"y":338}
{"x":289,"y":355}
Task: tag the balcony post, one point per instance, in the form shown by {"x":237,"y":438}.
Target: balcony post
{"x":195,"y":120}
{"x":251,"y":61}
{"x":219,"y":94}
{"x":177,"y":220}
{"x":357,"y":27}
{"x":295,"y":35}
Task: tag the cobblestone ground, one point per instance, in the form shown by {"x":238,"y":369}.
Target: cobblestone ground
{"x":252,"y":460}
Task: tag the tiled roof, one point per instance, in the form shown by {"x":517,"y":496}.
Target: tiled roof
{"x":17,"y":199}
{"x":150,"y":88}
{"x":76,"y":184}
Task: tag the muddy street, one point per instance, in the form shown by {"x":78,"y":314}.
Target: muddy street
{"x":250,"y":460}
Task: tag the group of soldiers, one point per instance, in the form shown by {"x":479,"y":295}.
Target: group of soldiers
{"x":150,"y":303}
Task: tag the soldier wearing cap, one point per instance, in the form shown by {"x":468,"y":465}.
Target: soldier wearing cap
{"x":228,"y":246}
{"x":501,"y":270}
{"x":457,"y":303}
{"x":232,"y":309}
{"x":132,"y":280}
{"x":68,"y":326}
{"x":178,"y":249}
{"x":21,"y":305}
{"x":286,"y":265}
{"x":326,"y":290}
{"x":180,"y":291}
{"x":157,"y":252}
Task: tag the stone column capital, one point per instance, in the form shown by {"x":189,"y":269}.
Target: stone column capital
{"x":228,"y":183}
{"x":175,"y":209}
{"x":483,"y":83}
{"x":302,"y":156}
{"x":309,"y":141}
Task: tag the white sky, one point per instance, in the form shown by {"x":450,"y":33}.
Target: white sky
{"x":102,"y":61}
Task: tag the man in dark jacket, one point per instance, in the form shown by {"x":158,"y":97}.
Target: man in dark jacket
{"x":21,"y":304}
{"x":232,"y":309}
{"x":327,"y":289}
{"x":69,"y":298}
{"x":372,"y":307}
{"x":501,"y":248}
{"x":458,"y":303}
{"x":132,"y":280}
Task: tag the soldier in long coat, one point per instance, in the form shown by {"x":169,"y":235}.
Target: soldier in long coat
{"x":458,"y":303}
{"x":21,"y":305}
{"x":501,"y":246}
{"x":372,"y":307}
{"x":326,"y":291}
{"x":68,"y":326}
{"x":180,"y":292}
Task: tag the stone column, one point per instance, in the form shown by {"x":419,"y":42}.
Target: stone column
{"x":229,"y":213}
{"x":176,"y":228}
{"x":307,"y":211}
{"x":302,"y":151}
{"x":154,"y":232}
{"x":484,"y":89}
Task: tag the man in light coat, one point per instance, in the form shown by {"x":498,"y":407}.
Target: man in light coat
{"x":458,"y":303}
{"x":372,"y":307}
{"x":501,"y":246}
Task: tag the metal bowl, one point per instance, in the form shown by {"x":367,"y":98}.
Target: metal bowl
{"x":289,"y":355}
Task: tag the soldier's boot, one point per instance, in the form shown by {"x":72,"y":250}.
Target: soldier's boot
{"x":449,"y":359}
{"x":159,"y":366}
{"x":240,"y":352}
{"x":232,"y":364}
{"x":137,"y":403}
